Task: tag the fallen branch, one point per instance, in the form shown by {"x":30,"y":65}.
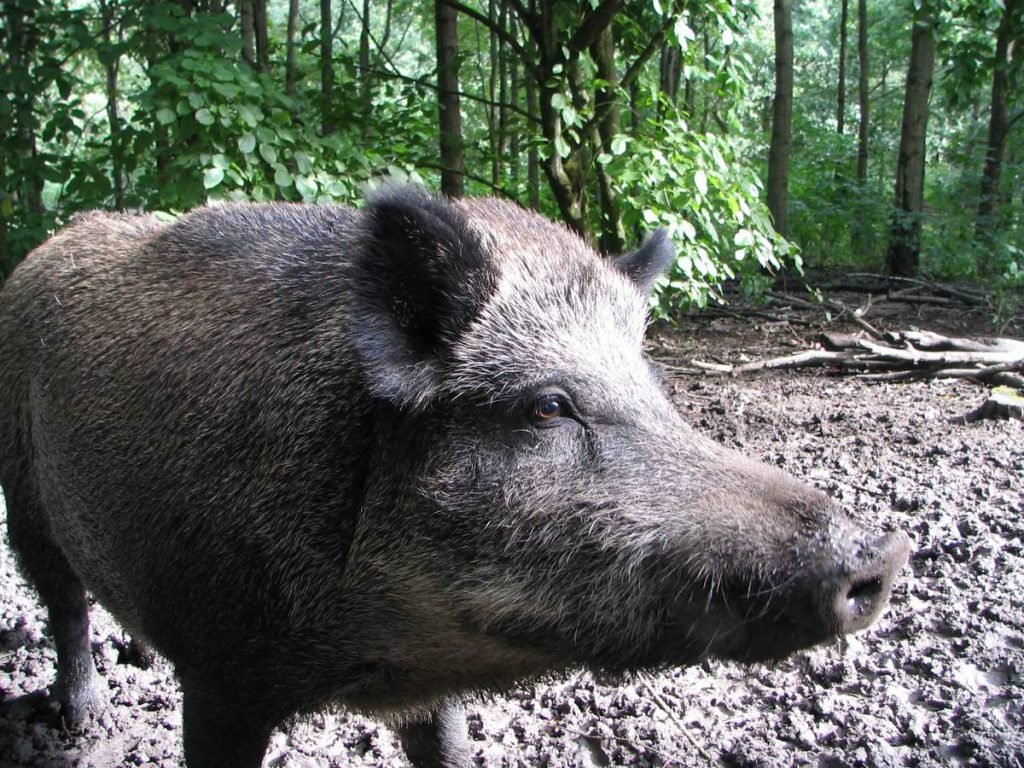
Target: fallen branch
{"x":856,"y":315}
{"x":908,"y":355}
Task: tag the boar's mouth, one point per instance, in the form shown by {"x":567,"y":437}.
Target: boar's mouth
{"x":761,"y":621}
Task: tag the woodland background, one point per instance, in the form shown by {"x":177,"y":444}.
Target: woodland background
{"x":874,"y":135}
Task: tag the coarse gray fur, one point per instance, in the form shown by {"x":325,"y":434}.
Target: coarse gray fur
{"x":381,"y":459}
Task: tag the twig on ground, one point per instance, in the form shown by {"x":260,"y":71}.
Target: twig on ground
{"x":667,"y":709}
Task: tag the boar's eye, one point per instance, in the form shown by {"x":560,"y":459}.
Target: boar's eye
{"x":547,"y":407}
{"x":550,"y":407}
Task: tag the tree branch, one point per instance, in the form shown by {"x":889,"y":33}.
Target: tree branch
{"x":503,"y":35}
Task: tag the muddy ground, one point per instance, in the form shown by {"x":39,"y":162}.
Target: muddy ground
{"x":939,"y":680}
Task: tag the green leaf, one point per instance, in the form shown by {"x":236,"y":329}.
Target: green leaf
{"x":268,"y":153}
{"x":212,"y":177}
{"x":247,"y":144}
{"x":205,"y":117}
{"x":700,"y":179}
{"x":562,"y":147}
{"x":743,"y":238}
{"x":166,"y":116}
{"x":306,"y":187}
{"x":250,"y":115}
{"x":227,"y":90}
{"x":303,"y":162}
{"x":281,"y":177}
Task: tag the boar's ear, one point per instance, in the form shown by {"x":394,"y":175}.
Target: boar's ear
{"x":647,"y":263}
{"x":421,"y":277}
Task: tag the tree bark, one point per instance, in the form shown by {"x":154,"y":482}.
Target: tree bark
{"x":259,"y":23}
{"x":110,"y":67}
{"x":903,"y":255}
{"x":290,"y":55}
{"x":998,"y":123}
{"x":841,"y":89}
{"x":326,"y":69}
{"x":602,"y":51}
{"x":669,"y":69}
{"x":245,"y":12}
{"x":532,"y":155}
{"x":863,"y":127}
{"x":447,"y":34}
{"x":782,"y":117}
{"x":364,"y":58}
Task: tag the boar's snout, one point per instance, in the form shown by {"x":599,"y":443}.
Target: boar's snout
{"x":854,"y":599}
{"x":840,"y":590}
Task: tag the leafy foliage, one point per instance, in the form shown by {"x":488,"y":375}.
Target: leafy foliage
{"x":194,"y":121}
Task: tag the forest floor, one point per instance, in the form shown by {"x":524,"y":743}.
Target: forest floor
{"x":938,"y":680}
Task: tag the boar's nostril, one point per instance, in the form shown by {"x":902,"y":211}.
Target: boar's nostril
{"x":863,"y":594}
{"x":863,"y":597}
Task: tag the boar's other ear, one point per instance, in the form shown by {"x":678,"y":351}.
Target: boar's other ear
{"x":421,"y":277}
{"x":647,"y":263}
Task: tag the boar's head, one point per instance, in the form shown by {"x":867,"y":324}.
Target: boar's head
{"x":538,"y":501}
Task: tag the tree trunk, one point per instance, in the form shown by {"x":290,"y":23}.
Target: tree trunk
{"x":863,"y":127}
{"x":326,"y":69}
{"x":782,"y":117}
{"x":259,"y":22}
{"x":504,"y":91}
{"x":290,"y":63}
{"x":364,"y":59}
{"x":997,"y":126}
{"x":245,"y":11}
{"x":110,"y":66}
{"x":452,"y":174}
{"x":493,"y":88}
{"x":905,"y":241}
{"x":602,"y":51}
{"x":532,"y":155}
{"x":841,"y":89}
{"x":669,"y":69}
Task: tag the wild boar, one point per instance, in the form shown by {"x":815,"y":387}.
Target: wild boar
{"x":383,"y":458}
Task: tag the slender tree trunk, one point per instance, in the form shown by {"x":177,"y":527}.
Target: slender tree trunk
{"x":669,"y":70}
{"x":782,"y":117}
{"x":863,"y":126}
{"x":493,"y":87}
{"x":841,"y":88}
{"x":447,"y":31}
{"x":290,"y":48}
{"x":532,"y":155}
{"x":905,"y":241}
{"x":997,"y":125}
{"x":602,"y":51}
{"x":503,"y":98}
{"x":558,"y":169}
{"x":364,"y":55}
{"x":22,"y":39}
{"x":326,"y":69}
{"x":245,"y":11}
{"x":513,"y":129}
{"x":259,"y":19}
{"x":110,"y":66}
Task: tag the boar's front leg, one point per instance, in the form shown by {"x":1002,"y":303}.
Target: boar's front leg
{"x":63,"y":594}
{"x":439,"y":740}
{"x":219,"y":731}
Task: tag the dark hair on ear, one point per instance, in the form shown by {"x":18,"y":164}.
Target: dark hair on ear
{"x":648,"y":262}
{"x":421,"y":277}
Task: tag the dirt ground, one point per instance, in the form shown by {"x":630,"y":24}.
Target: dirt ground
{"x":937,"y":681}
